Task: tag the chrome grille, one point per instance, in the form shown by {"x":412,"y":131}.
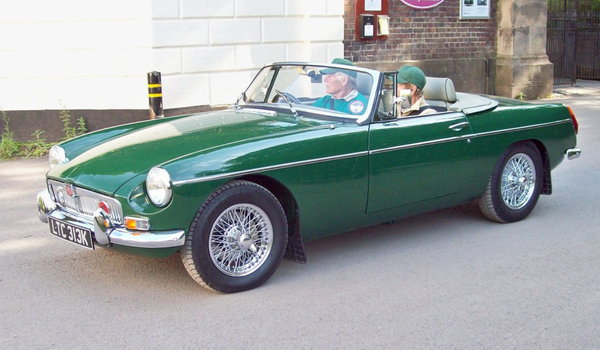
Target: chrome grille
{"x":82,"y":202}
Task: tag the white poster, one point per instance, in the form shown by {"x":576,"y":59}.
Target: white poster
{"x":372,"y":5}
{"x":475,"y":9}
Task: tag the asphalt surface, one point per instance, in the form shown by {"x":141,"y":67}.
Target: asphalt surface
{"x":444,"y":280}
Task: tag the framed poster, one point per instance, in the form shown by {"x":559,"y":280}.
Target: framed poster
{"x":372,"y":5}
{"x":475,"y":9}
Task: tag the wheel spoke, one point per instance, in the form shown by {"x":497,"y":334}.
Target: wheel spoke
{"x":518,"y":181}
{"x":240,"y":240}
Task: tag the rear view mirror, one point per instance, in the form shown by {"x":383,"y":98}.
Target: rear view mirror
{"x":315,"y":77}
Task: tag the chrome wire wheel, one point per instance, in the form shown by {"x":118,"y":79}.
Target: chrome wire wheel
{"x":518,"y":181}
{"x":237,"y":238}
{"x":514,"y":187}
{"x":241,"y":239}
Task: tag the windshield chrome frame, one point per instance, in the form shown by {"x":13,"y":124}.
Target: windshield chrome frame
{"x":359,"y":119}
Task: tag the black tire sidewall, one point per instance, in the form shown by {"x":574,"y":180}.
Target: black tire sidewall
{"x":231,"y":194}
{"x":505,"y":213}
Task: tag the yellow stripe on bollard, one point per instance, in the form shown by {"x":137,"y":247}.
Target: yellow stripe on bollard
{"x":155,"y":95}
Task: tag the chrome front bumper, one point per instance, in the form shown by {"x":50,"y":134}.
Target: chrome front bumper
{"x":112,"y":234}
{"x":573,"y":153}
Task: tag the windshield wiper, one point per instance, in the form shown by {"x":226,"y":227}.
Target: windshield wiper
{"x":286,"y":99}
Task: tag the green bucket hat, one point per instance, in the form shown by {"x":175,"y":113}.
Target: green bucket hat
{"x":411,"y":74}
{"x":335,"y":70}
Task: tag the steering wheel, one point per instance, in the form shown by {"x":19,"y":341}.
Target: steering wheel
{"x":290,"y":97}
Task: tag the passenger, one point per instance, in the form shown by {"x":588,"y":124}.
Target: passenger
{"x":409,"y":92}
{"x":340,"y":85}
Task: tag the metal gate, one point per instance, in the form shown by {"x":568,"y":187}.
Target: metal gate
{"x":573,"y":44}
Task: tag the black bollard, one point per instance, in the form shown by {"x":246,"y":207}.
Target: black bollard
{"x":155,"y":95}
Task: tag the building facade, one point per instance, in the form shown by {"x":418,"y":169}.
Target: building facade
{"x":92,"y":58}
{"x":434,"y":38}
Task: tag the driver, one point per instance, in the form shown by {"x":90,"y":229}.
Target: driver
{"x":340,"y":84}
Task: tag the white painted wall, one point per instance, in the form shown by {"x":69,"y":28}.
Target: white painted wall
{"x":96,"y":54}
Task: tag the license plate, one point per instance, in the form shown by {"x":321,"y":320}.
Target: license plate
{"x":75,"y":234}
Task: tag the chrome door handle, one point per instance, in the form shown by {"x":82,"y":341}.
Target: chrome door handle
{"x":459,"y":126}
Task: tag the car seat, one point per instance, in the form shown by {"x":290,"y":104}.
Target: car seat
{"x":439,"y":92}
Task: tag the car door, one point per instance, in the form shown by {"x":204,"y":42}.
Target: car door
{"x":418,"y":158}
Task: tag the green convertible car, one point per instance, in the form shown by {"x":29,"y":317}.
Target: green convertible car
{"x":235,"y":191}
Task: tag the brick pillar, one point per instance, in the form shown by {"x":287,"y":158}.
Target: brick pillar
{"x":522,"y":65}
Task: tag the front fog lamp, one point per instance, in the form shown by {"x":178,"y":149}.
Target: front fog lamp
{"x":57,"y":156}
{"x":158,"y":187}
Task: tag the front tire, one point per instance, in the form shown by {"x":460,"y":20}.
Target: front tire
{"x":237,"y":239}
{"x":515,"y":185}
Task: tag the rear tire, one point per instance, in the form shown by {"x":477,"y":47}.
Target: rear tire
{"x":515,"y":185}
{"x":237,"y":239}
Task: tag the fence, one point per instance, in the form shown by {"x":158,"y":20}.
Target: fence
{"x":573,"y":44}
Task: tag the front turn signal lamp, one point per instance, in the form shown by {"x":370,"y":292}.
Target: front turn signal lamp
{"x":137,"y":224}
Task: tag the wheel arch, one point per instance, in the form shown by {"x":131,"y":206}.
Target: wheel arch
{"x":295,"y":247}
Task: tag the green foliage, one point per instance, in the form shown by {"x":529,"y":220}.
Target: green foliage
{"x":71,"y":131}
{"x":8,"y":145}
{"x":81,"y":127}
{"x":10,"y":148}
{"x":521,"y":96}
{"x":65,"y":117}
{"x":36,"y":148}
{"x":583,"y":8}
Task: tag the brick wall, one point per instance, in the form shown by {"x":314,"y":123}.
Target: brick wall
{"x":425,"y":35}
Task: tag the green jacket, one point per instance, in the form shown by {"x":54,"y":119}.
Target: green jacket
{"x":354,"y":103}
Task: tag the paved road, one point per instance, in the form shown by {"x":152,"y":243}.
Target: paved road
{"x":446,"y":280}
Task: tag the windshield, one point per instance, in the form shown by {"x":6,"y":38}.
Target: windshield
{"x":320,"y":89}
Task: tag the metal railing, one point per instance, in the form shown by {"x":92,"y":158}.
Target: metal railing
{"x":573,"y":43}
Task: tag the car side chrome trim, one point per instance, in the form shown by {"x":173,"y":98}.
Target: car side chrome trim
{"x":420,"y":144}
{"x":522,"y":128}
{"x":269,"y":168}
{"x":467,"y":137}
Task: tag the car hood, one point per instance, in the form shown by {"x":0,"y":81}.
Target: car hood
{"x":111,"y":163}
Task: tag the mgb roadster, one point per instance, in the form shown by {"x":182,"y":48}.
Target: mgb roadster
{"x":237,"y":190}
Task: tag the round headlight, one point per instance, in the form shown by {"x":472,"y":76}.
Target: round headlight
{"x":158,"y":187}
{"x":57,"y":156}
